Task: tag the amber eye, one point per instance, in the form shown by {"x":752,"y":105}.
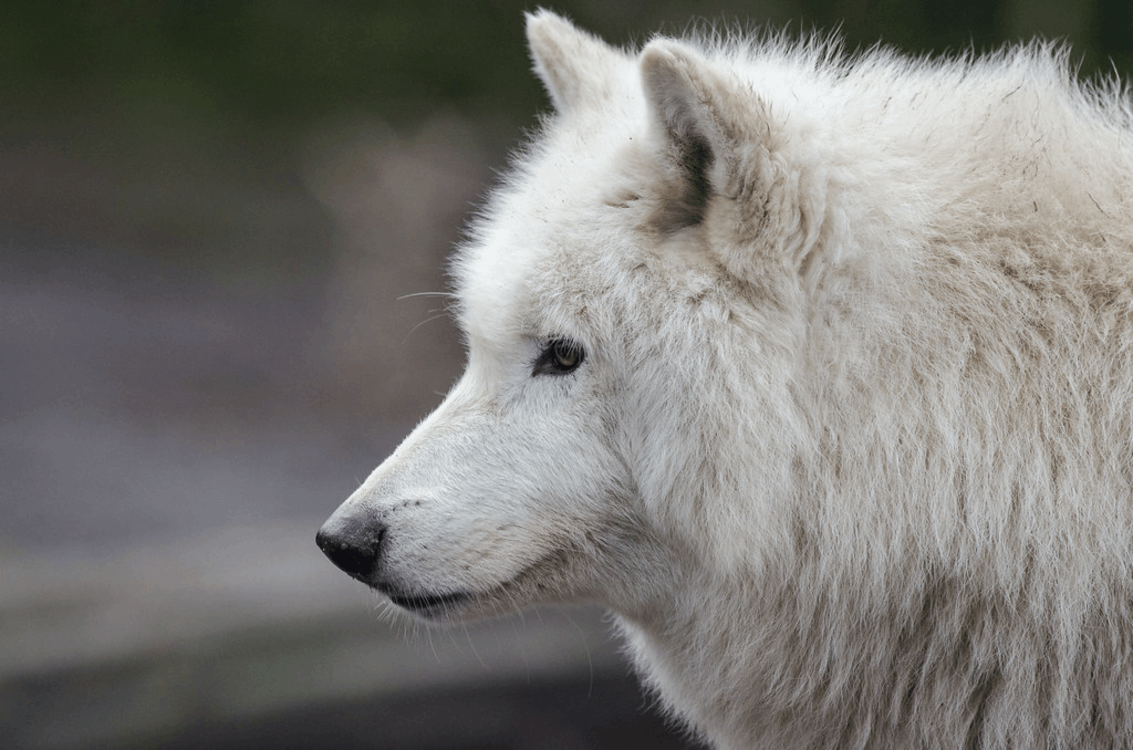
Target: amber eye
{"x":567,"y":355}
{"x":559,"y":357}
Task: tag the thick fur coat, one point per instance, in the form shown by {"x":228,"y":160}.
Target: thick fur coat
{"x":817,"y":370}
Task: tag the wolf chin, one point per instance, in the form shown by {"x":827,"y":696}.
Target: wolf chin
{"x":817,"y":371}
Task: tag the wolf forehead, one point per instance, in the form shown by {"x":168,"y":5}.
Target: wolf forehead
{"x":529,"y":254}
{"x":532,"y":268}
{"x":558,"y":276}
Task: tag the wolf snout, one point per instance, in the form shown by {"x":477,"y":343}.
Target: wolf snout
{"x":353,"y":544}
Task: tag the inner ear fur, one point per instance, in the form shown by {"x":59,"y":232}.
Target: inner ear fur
{"x":711,"y":127}
{"x":731,"y":169}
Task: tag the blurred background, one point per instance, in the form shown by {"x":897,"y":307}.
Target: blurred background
{"x":214,"y":215}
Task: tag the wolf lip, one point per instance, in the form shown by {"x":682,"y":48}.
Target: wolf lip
{"x":425,"y":602}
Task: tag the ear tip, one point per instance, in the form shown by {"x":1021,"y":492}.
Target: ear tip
{"x":541,"y":13}
{"x":655,"y":52}
{"x":663,"y":61}
{"x":665,"y":55}
{"x":540,"y":23}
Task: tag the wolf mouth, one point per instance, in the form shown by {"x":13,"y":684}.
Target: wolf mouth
{"x":438,"y":606}
{"x":422,"y":604}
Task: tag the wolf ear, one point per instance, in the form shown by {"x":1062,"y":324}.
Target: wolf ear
{"x":714,"y":132}
{"x":575,"y":66}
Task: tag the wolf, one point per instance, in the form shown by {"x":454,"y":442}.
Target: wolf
{"x":816,"y":369}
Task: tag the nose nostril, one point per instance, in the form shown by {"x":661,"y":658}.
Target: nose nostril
{"x":355,"y":552}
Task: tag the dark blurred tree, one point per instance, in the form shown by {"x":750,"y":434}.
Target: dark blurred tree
{"x":250,"y":63}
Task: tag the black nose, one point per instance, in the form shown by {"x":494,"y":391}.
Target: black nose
{"x":352,"y":544}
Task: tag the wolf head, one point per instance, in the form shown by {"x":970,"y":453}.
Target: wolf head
{"x":628,"y":301}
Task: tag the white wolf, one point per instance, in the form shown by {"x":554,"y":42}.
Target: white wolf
{"x":818,"y":372}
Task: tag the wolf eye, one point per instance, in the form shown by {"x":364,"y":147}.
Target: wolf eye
{"x":559,"y":357}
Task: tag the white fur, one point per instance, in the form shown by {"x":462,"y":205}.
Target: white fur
{"x":851,"y":451}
